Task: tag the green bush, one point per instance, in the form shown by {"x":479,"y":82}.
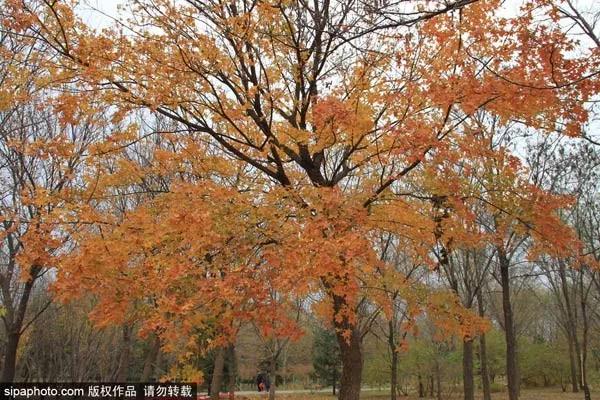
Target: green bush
{"x":496,"y":387}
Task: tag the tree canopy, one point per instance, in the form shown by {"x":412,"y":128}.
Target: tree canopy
{"x":289,"y":136}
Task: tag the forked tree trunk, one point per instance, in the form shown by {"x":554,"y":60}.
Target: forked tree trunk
{"x":468,"y":382}
{"x":574,"y":349}
{"x":14,"y":329}
{"x":512,"y":366}
{"x":217,"y":376}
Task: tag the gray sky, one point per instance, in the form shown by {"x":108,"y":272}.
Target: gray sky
{"x":92,"y":11}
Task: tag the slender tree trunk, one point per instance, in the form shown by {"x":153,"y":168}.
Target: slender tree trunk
{"x":394,"y":361}
{"x":431,"y":386}
{"x":585,"y":337}
{"x":571,"y":329}
{"x":483,"y":360}
{"x":438,"y":380}
{"x":586,"y":388}
{"x":335,"y":381}
{"x":421,"y":388}
{"x":273,"y":378}
{"x":231,"y":384}
{"x":14,"y":327}
{"x":123,"y":368}
{"x":468,"y":381}
{"x":578,"y":356}
{"x":512,"y":366}
{"x":572,"y":362}
{"x":217,"y":376}
{"x":159,"y":365}
{"x":394,"y":381}
{"x":150,"y":361}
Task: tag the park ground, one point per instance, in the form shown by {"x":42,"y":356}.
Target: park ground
{"x":527,"y":394}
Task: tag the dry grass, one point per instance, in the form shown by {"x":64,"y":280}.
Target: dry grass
{"x":543,"y":394}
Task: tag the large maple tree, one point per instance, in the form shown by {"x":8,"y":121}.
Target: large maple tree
{"x":303,"y":130}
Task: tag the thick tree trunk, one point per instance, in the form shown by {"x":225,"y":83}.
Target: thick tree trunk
{"x":217,"y":376}
{"x":151,"y":358}
{"x":483,"y":360}
{"x":123,"y":368}
{"x":512,"y":366}
{"x":10,"y":357}
{"x":352,"y":364}
{"x":349,"y":340}
{"x":468,"y":382}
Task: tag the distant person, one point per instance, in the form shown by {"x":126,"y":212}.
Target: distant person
{"x":262,"y":382}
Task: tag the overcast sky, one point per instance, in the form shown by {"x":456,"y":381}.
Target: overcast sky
{"x":96,"y":18}
{"x":109,"y":8}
